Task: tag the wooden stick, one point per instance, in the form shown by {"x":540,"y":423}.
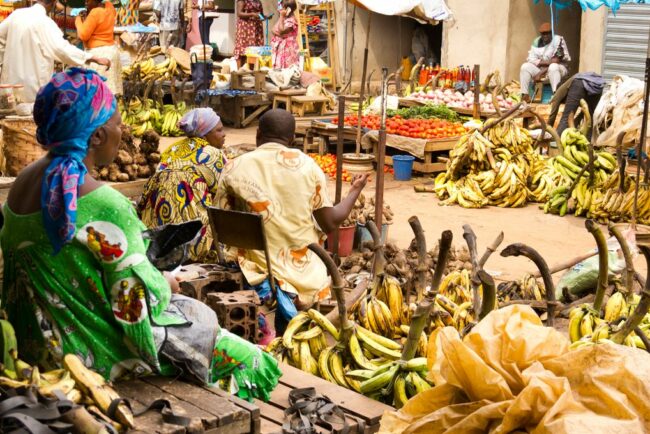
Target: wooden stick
{"x":641,"y":310}
{"x":627,"y":255}
{"x":470,"y":239}
{"x":489,"y":294}
{"x":491,"y":249}
{"x":422,"y":270}
{"x":603,"y":270}
{"x":532,"y":254}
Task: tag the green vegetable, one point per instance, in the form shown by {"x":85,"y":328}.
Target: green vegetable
{"x":439,"y":111}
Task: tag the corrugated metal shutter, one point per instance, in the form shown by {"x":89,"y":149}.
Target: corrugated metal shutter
{"x":626,"y":41}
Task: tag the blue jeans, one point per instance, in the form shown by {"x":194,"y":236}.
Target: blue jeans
{"x":204,"y":29}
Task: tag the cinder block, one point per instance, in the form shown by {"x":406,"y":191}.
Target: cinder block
{"x":237,"y":312}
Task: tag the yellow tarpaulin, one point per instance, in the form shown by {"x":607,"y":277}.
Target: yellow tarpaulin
{"x":512,"y":374}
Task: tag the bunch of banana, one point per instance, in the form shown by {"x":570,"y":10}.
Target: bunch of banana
{"x":528,"y":288}
{"x":575,"y":156}
{"x":457,"y":287}
{"x":141,"y":115}
{"x":150,"y":70}
{"x":394,"y":383}
{"x":450,"y":314}
{"x":171,"y":115}
{"x":79,"y":384}
{"x":469,"y":155}
{"x":466,"y":192}
{"x":614,"y":205}
{"x":510,"y":136}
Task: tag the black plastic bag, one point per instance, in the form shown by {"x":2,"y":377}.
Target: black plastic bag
{"x":169,"y":244}
{"x":201,"y":73}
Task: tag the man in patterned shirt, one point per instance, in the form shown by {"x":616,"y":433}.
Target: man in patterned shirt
{"x":290,"y":191}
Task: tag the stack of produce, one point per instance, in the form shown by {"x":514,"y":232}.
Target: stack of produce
{"x":498,"y":168}
{"x":146,"y":115}
{"x":327,"y":163}
{"x":439,"y":111}
{"x":415,"y":128}
{"x":576,"y":195}
{"x":132,"y":161}
{"x":99,"y":404}
{"x":528,"y":288}
{"x":364,"y":211}
{"x":148,"y":69}
{"x":462,"y":101}
{"x":402,"y":263}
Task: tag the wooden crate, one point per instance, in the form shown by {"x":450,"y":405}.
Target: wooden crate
{"x":363,"y":414}
{"x":240,"y":110}
{"x":429,"y":164}
{"x":211,"y":410}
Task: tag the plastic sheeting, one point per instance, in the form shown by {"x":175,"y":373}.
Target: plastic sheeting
{"x":429,"y":10}
{"x":512,"y":374}
{"x":614,"y":5}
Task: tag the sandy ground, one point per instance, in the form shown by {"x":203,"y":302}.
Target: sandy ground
{"x":556,"y":238}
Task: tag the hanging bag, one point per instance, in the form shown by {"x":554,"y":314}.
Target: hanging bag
{"x":201,"y":73}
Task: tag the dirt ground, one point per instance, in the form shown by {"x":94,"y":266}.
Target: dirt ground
{"x":556,"y":238}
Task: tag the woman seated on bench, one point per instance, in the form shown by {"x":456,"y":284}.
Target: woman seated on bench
{"x":77,"y":278}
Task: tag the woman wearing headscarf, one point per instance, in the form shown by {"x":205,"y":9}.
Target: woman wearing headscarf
{"x":76,"y":276}
{"x":186,"y":181}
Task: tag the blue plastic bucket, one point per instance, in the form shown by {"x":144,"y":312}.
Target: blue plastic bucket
{"x":403,"y":165}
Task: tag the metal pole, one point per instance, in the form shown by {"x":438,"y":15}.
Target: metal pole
{"x":339,"y":168}
{"x":644,"y":128}
{"x":363,"y":83}
{"x":381,"y":153}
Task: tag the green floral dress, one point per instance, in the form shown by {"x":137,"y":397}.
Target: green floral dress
{"x":95,"y":297}
{"x":101,"y":298}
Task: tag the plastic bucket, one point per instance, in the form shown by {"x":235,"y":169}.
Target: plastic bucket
{"x":346,"y":240}
{"x":403,"y":165}
{"x":362,"y":234}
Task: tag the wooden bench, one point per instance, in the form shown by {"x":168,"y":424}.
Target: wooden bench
{"x":363,"y":414}
{"x":210,"y":410}
{"x":285,"y":96}
{"x":299,"y":104}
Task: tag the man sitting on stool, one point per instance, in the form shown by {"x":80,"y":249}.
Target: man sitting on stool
{"x":548,"y":55}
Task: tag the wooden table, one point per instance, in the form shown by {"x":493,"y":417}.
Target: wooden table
{"x":240,"y":110}
{"x":427,"y":164}
{"x":327,"y":132}
{"x":210,"y":410}
{"x":363,"y":414}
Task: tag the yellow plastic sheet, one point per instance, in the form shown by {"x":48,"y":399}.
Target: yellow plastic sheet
{"x":512,"y":374}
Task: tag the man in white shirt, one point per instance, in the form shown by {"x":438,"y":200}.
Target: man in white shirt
{"x":205,"y":23}
{"x":30,"y":42}
{"x":548,"y":55}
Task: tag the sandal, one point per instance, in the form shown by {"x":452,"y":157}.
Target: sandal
{"x":308,"y":408}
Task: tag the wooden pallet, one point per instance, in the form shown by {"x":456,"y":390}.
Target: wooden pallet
{"x":363,"y":414}
{"x":429,"y":164}
{"x":239,"y":111}
{"x":211,"y":410}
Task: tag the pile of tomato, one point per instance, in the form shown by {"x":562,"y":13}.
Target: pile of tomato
{"x":415,"y":128}
{"x":327,"y":163}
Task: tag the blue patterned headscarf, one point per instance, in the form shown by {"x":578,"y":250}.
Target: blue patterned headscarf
{"x":67,"y":111}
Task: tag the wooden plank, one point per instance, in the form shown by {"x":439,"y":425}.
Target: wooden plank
{"x":445,"y":144}
{"x":146,"y":393}
{"x":353,"y":402}
{"x":225,"y":410}
{"x":253,"y":409}
{"x":130,"y":189}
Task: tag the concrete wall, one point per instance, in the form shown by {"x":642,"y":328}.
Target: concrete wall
{"x":478,"y":34}
{"x":384,"y":48}
{"x":524,"y":20}
{"x":592,"y":40}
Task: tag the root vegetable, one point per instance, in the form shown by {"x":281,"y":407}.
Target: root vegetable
{"x":154,"y":157}
{"x":144,"y":171}
{"x":123,"y":158}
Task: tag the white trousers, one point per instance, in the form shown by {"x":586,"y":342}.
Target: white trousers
{"x":556,"y":72}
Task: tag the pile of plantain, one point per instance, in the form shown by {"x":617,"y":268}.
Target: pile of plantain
{"x":93,"y":397}
{"x":133,"y":161}
{"x":623,"y":318}
{"x":494,"y":166}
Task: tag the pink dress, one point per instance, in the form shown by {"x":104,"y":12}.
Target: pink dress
{"x":285,"y":47}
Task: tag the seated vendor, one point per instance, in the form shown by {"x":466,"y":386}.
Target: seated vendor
{"x":548,"y":56}
{"x":77,"y":279}
{"x":186,"y":180}
{"x":289,"y":190}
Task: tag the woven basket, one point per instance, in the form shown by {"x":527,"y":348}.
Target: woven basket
{"x":20,"y":147}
